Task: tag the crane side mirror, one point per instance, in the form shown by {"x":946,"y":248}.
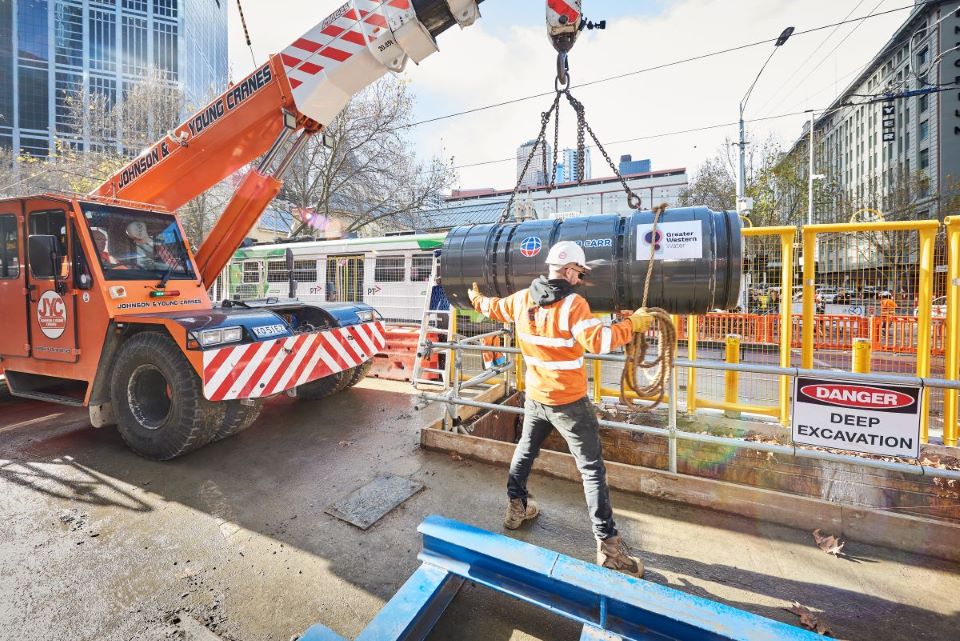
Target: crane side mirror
{"x":44,"y":256}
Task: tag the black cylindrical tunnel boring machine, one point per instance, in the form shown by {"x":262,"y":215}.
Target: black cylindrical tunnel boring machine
{"x":697,"y":261}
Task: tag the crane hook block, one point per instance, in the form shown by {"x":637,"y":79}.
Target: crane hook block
{"x":564,"y":20}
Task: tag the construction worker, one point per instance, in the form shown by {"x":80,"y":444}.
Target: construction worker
{"x":553,"y":327}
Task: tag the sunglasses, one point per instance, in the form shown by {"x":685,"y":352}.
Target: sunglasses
{"x":581,"y":272}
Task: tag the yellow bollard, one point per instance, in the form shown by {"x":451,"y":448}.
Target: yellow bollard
{"x":732,"y":379}
{"x":692,"y":356}
{"x":862,"y":352}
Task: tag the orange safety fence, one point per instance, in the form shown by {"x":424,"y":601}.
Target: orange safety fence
{"x":831,"y":331}
{"x":898,"y":334}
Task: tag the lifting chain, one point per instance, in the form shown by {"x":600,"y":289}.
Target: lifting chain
{"x":648,"y":380}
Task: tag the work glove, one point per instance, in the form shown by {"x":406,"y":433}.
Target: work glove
{"x":641,"y":321}
{"x":473,"y":293}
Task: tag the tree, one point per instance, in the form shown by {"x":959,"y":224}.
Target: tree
{"x":366,"y":176}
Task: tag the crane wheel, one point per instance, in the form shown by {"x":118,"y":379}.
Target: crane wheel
{"x":158,"y":399}
{"x":359,"y":373}
{"x":237,"y":417}
{"x":323,"y":387}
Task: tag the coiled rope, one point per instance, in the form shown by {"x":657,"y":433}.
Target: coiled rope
{"x":649,"y":380}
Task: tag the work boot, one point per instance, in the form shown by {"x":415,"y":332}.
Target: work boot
{"x":517,"y":514}
{"x":613,"y":554}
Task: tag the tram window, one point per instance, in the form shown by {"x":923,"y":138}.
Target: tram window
{"x":305,"y":271}
{"x":277,"y":271}
{"x":421,"y":267}
{"x":389,"y":269}
{"x":251,"y":272}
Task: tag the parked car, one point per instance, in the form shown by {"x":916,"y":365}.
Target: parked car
{"x":939,"y":309}
{"x":827,"y":294}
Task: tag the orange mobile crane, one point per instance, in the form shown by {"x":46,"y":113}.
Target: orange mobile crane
{"x":105,"y":304}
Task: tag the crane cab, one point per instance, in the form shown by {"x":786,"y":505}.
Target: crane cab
{"x":68,"y":268}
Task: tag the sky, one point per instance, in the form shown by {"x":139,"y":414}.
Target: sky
{"x":507,"y":55}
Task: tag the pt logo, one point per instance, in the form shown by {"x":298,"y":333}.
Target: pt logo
{"x":653,"y":239}
{"x":530,"y":246}
{"x":51,"y":314}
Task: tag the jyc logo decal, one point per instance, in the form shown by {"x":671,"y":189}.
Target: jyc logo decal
{"x":51,"y":314}
{"x":530,"y":246}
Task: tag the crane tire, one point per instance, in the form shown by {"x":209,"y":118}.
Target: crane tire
{"x":158,"y":399}
{"x":237,"y":417}
{"x":359,"y":373}
{"x":323,"y":387}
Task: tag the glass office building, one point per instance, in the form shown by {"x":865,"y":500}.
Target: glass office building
{"x":51,"y":50}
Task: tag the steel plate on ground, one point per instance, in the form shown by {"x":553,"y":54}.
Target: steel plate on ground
{"x":373,"y":501}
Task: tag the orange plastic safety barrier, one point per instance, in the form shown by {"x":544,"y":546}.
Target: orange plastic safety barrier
{"x":396,"y":360}
{"x":898,"y":334}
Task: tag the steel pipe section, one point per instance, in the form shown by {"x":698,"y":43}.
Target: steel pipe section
{"x":697,"y":265}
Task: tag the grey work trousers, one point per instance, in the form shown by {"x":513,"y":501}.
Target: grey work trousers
{"x":577,"y":424}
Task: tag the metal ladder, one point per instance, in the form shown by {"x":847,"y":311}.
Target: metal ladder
{"x":436,"y":308}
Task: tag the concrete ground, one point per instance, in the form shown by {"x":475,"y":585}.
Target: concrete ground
{"x":98,"y":543}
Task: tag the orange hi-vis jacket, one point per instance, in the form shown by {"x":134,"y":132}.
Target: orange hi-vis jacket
{"x":553,"y":342}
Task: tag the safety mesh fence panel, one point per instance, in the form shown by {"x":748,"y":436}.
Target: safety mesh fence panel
{"x":867,"y":287}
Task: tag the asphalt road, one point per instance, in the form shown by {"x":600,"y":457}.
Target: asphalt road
{"x":233,"y":539}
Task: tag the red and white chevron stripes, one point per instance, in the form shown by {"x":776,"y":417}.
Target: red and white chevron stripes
{"x":262,"y":369}
{"x":345,"y":32}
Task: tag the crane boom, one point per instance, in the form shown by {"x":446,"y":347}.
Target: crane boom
{"x":303,"y":88}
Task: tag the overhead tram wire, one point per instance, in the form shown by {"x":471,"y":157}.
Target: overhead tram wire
{"x":831,"y":52}
{"x":658,"y":67}
{"x":808,"y":58}
{"x":664,"y":134}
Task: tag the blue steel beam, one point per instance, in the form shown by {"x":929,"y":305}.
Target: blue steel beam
{"x":611,"y":606}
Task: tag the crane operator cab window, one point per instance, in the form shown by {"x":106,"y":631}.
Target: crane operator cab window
{"x":137,"y":245}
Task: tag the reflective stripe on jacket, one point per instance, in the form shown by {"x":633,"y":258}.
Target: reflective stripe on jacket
{"x":553,"y":342}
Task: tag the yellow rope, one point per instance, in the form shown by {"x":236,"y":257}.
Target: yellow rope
{"x":655,"y":374}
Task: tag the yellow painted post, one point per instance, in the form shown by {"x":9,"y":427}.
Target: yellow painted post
{"x":452,"y":354}
{"x":862,"y":352}
{"x":786,"y":318}
{"x":691,"y":356}
{"x":925,"y":311}
{"x":809,"y":295}
{"x":952,"y":330}
{"x":732,"y":379}
{"x":521,"y":381}
{"x":597,"y":382}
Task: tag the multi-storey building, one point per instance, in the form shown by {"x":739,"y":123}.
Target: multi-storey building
{"x":54,"y":50}
{"x":570,"y":161}
{"x":893,"y":135}
{"x":630,"y":166}
{"x":534,"y":175}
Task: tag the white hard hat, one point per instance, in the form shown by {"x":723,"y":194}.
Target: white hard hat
{"x":566,"y":252}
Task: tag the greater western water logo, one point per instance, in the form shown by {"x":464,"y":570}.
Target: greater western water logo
{"x":530,"y":246}
{"x":653,"y":238}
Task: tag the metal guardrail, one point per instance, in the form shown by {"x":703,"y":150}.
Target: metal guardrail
{"x":673,"y":434}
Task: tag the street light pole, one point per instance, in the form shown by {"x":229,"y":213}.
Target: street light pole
{"x":742,"y":173}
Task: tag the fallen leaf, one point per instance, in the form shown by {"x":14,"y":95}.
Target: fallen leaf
{"x":829,"y":544}
{"x":455,"y":456}
{"x":810,"y":620}
{"x":345,"y":443}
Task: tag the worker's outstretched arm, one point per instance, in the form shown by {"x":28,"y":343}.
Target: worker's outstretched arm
{"x":591,"y":332}
{"x":498,"y":309}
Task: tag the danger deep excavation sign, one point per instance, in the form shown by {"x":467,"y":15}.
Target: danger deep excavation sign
{"x":851,"y":415}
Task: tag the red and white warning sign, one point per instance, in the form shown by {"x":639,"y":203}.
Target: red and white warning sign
{"x":858,"y":416}
{"x":51,"y":314}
